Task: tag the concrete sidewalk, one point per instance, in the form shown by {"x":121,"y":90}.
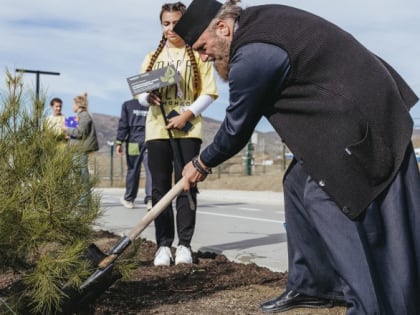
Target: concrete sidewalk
{"x":244,"y":241}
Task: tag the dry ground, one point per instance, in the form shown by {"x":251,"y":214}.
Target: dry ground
{"x":271,"y":181}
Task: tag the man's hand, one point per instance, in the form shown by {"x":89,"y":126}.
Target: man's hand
{"x":192,"y":176}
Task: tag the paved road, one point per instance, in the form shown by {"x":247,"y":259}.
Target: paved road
{"x":245,"y":226}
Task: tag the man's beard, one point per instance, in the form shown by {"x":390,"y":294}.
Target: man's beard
{"x":221,"y":62}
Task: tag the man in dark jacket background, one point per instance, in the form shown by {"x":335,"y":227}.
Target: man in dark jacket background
{"x":352,"y":192}
{"x":131,"y":130}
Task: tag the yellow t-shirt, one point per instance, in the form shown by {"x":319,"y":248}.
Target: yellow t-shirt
{"x":55,"y":123}
{"x":178,"y":57}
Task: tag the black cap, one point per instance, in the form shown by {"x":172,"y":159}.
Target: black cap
{"x":196,"y":19}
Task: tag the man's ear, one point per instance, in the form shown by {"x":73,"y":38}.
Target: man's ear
{"x":222,"y":28}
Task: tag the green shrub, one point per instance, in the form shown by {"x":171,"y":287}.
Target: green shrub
{"x":46,"y":211}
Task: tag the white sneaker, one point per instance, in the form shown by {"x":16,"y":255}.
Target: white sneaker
{"x":183,"y":255}
{"x":149,"y":205}
{"x":127,"y":204}
{"x":163,"y":256}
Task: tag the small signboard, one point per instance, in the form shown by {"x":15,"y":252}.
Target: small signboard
{"x":153,"y":80}
{"x":71,"y":122}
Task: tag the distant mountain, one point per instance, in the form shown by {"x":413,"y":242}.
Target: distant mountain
{"x":106,"y":128}
{"x":268,"y":142}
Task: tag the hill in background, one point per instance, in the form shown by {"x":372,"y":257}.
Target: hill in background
{"x":268,"y":142}
{"x":106,"y":127}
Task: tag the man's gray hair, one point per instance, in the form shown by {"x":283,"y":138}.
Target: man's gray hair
{"x":229,"y":10}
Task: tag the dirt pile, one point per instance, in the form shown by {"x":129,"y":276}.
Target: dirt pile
{"x":211,"y":285}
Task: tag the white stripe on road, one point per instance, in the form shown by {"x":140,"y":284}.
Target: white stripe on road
{"x":279,"y":212}
{"x":246,"y":209}
{"x":240,"y":217}
{"x":240,"y":208}
{"x":249,"y":209}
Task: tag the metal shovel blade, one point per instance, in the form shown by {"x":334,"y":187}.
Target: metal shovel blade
{"x":77,"y":298}
{"x":105,"y":275}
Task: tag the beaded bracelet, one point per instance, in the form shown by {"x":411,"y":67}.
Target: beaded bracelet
{"x":199,"y":168}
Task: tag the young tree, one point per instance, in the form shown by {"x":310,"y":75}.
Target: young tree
{"x":46,"y":210}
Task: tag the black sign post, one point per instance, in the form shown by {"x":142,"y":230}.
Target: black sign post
{"x":38,"y":73}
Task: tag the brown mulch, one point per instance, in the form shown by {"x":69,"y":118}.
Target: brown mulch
{"x":182,"y":289}
{"x":211,"y":285}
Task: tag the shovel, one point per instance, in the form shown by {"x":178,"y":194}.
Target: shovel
{"x":179,"y":160}
{"x":104,"y":275}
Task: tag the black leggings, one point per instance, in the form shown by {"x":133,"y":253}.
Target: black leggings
{"x":162,"y":162}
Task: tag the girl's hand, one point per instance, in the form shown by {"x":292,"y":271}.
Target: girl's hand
{"x":154,"y":98}
{"x":177,"y":122}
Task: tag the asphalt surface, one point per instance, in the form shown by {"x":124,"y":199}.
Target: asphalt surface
{"x":245,"y":226}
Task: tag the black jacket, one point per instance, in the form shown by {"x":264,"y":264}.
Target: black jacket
{"x":131,"y":126}
{"x":343,"y":111}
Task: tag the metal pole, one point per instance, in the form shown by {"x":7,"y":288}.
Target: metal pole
{"x":249,"y":159}
{"x":121,"y":168}
{"x":179,"y":160}
{"x":38,"y":73}
{"x":283,"y":156}
{"x":37,"y":86}
{"x":111,"y":168}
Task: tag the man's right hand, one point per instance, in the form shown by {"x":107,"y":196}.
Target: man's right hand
{"x":192,"y":176}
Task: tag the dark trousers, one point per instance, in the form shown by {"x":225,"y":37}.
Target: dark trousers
{"x":161,"y":164}
{"x":132,"y":178}
{"x":373,"y":262}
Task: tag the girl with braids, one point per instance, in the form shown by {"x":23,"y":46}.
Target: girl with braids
{"x":189,"y":98}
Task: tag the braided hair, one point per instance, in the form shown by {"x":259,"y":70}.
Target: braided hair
{"x":176,"y":7}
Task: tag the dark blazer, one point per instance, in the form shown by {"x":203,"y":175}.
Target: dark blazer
{"x":343,"y":112}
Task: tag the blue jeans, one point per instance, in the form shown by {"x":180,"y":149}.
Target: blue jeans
{"x":132,"y":178}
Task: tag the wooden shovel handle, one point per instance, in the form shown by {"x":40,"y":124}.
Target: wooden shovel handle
{"x":147,"y":219}
{"x":157,"y":209}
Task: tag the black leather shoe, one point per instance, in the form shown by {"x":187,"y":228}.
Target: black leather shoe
{"x":291,"y":299}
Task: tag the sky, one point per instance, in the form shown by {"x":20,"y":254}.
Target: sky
{"x":95,"y":45}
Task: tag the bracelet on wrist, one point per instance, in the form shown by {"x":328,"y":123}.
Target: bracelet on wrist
{"x":199,"y":168}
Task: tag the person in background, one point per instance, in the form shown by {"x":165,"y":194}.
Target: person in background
{"x":84,"y":134}
{"x":352,"y":192}
{"x":56,"y":119}
{"x":167,"y":136}
{"x":131,"y":130}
